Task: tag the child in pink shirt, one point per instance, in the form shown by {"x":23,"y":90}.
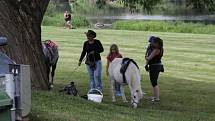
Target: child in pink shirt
{"x":114,"y":53}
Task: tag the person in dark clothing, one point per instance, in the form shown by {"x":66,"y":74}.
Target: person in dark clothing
{"x":92,"y":49}
{"x":153,"y":57}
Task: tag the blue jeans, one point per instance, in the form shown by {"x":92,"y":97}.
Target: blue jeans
{"x":117,"y":88}
{"x":95,"y":76}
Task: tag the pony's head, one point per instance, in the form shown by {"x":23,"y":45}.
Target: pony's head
{"x":137,"y":90}
{"x":137,"y":96}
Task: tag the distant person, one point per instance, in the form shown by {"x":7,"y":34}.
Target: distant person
{"x":114,"y":53}
{"x":153,"y":58}
{"x":67,"y":18}
{"x":92,"y":49}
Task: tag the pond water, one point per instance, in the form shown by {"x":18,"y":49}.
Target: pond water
{"x":207,"y":19}
{"x":173,"y":11}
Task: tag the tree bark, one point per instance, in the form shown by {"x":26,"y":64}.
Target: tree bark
{"x":20,"y":22}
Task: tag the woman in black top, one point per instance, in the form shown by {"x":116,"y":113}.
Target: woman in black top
{"x":92,"y":48}
{"x":153,"y":64}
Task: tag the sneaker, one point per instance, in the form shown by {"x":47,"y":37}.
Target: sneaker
{"x":155,"y":99}
{"x":152,"y":98}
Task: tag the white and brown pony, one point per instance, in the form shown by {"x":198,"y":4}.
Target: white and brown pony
{"x":50,"y":50}
{"x":132,"y":77}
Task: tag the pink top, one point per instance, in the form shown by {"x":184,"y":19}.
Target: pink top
{"x":65,"y":14}
{"x":112,"y":56}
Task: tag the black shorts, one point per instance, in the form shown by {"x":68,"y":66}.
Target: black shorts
{"x":67,"y":20}
{"x":154,"y":77}
{"x":154,"y":71}
{"x":156,"y":67}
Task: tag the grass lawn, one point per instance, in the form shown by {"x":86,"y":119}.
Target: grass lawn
{"x":187,"y":86}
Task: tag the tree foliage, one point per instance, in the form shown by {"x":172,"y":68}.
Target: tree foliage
{"x":100,"y":3}
{"x":60,"y":5}
{"x":202,"y":5}
{"x":148,"y":5}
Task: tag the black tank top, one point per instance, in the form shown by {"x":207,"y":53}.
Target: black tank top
{"x":157,"y":58}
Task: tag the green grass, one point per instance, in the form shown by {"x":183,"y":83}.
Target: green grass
{"x":187,"y":86}
{"x":165,"y":26}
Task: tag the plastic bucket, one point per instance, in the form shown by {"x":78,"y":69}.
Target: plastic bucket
{"x":95,"y":95}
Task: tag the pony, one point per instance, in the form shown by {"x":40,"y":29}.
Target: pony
{"x":131,"y":75}
{"x":50,"y":50}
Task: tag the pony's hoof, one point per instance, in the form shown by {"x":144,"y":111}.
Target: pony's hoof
{"x":51,"y":86}
{"x":134,"y":105}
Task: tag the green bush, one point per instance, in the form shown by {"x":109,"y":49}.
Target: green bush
{"x":80,"y":21}
{"x":58,"y":20}
{"x":53,"y":20}
{"x":164,"y":26}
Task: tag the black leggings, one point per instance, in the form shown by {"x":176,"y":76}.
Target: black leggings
{"x":153,"y":74}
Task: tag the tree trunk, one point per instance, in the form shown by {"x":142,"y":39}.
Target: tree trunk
{"x":20,"y":22}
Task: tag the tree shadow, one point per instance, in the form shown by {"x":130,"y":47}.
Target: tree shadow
{"x":177,"y":94}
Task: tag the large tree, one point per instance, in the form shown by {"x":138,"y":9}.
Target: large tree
{"x":20,"y":22}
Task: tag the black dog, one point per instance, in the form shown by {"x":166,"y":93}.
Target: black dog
{"x":70,"y":89}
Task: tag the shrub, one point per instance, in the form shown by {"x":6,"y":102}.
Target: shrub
{"x":80,"y":21}
{"x":165,"y":26}
{"x":53,"y":20}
